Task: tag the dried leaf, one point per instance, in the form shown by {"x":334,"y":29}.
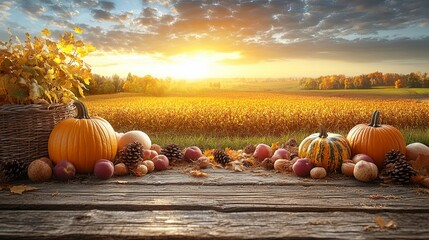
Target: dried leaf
{"x":391,"y":224}
{"x":78,"y":30}
{"x":46,"y":32}
{"x":379,"y":221}
{"x":421,"y":165}
{"x":208,"y":152}
{"x":233,"y":154}
{"x":235,"y":166}
{"x":21,"y":188}
{"x":35,"y":92}
{"x":198,"y":173}
{"x":275,"y":146}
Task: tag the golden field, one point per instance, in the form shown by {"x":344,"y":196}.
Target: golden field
{"x":243,"y":114}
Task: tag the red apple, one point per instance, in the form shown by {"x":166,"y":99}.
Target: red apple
{"x":361,"y":156}
{"x":262,"y":151}
{"x":104,"y":169}
{"x":280,"y":153}
{"x":64,"y":170}
{"x":149,"y":154}
{"x":161,"y":162}
{"x":192,"y":153}
{"x":302,"y":167}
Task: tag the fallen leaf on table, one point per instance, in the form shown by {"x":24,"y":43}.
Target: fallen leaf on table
{"x":233,"y":154}
{"x":236,"y":166}
{"x":421,"y":165}
{"x":391,"y":224}
{"x":21,"y":189}
{"x":198,"y":173}
{"x":216,"y":165}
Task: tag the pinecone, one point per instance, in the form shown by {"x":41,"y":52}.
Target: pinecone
{"x":396,"y":168}
{"x":221,"y":157}
{"x":249,"y":149}
{"x":12,"y":170}
{"x":131,"y":154}
{"x":173,"y":152}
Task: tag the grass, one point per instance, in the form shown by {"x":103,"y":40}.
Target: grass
{"x":233,"y":142}
{"x":237,"y":142}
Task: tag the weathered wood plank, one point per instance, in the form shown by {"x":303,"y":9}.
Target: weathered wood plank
{"x":208,"y":225}
{"x":290,"y":198}
{"x":223,"y":177}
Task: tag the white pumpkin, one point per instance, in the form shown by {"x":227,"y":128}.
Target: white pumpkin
{"x":134,"y":136}
{"x":415,"y":149}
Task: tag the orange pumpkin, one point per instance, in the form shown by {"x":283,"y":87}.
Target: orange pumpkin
{"x":82,"y":140}
{"x":375,"y":140}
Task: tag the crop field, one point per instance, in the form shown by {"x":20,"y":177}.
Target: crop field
{"x":256,"y":116}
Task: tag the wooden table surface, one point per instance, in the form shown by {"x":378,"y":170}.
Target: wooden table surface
{"x":256,"y":204}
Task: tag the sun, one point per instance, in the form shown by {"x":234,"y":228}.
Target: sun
{"x":192,"y":66}
{"x":192,"y":69}
{"x":183,"y":66}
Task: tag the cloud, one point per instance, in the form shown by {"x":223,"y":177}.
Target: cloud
{"x":103,"y":15}
{"x":85,"y":3}
{"x":4,"y":9}
{"x":260,"y":30}
{"x":106,"y":5}
{"x":32,"y":10}
{"x":62,"y":11}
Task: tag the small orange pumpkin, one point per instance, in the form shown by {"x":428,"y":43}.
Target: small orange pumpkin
{"x":375,"y":140}
{"x":82,"y":140}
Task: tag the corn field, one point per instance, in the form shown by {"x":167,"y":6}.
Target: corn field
{"x":251,"y":114}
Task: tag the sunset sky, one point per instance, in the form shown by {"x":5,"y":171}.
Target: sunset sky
{"x":186,"y":39}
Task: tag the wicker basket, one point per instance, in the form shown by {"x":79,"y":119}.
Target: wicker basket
{"x":25,"y":129}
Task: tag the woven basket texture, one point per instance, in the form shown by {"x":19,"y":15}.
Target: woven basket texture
{"x":25,"y":129}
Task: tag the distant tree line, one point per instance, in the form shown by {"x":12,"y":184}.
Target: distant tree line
{"x":411,"y":80}
{"x":148,"y":85}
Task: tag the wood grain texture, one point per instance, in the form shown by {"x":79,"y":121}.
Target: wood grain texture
{"x":207,"y":225}
{"x":224,"y":205}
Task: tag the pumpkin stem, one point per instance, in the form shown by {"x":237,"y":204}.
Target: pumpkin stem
{"x":82,"y":111}
{"x":375,"y":119}
{"x":323,"y":133}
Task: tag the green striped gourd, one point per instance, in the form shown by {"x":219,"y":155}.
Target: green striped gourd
{"x":327,"y":150}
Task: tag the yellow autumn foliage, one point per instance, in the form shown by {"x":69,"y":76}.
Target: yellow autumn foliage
{"x":41,"y":70}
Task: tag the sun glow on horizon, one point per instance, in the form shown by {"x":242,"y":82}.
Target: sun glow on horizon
{"x":191,"y":66}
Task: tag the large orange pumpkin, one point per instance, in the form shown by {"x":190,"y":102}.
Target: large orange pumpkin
{"x":375,"y":140}
{"x":82,"y":140}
